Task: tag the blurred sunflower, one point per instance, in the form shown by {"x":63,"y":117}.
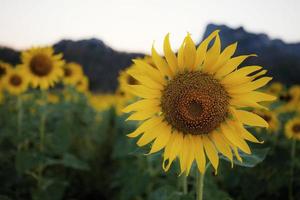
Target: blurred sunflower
{"x":1,"y":96}
{"x":52,"y":98}
{"x":192,"y":103}
{"x":15,"y":81}
{"x":101,"y":102}
{"x":4,"y":69}
{"x":275,"y":88}
{"x":126,"y":78}
{"x":43,"y":67}
{"x":72,"y":73}
{"x":82,"y":85}
{"x":291,"y":100}
{"x":292,"y":128}
{"x":271,"y":118}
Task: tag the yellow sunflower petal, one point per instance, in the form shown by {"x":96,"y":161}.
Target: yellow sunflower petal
{"x":211,"y":152}
{"x":180,"y":57}
{"x":245,"y":133}
{"x":201,"y":50}
{"x":183,"y":156}
{"x":146,"y":81}
{"x":161,"y":64}
{"x":170,"y":55}
{"x":191,"y":155}
{"x":141,"y":105}
{"x":250,"y":118}
{"x":144,"y":114}
{"x":221,"y":145}
{"x":150,"y":135}
{"x":223,"y":58}
{"x":231,"y":65}
{"x":212,"y":54}
{"x":199,"y":153}
{"x":146,"y":125}
{"x":189,"y":52}
{"x":144,"y":92}
{"x":237,"y":155}
{"x":230,"y":134}
{"x":162,"y":139}
{"x":238,"y":76}
{"x":248,"y":87}
{"x":149,"y":70}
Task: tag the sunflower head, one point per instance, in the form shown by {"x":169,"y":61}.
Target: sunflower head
{"x":15,"y":81}
{"x":4,"y":69}
{"x":72,"y":73}
{"x":292,"y":128}
{"x":42,"y":66}
{"x":101,"y":102}
{"x":275,"y":88}
{"x":130,"y":76}
{"x":271,"y":118}
{"x":82,"y":85}
{"x":192,"y":103}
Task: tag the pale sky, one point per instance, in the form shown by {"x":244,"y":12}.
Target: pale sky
{"x":133,"y":25}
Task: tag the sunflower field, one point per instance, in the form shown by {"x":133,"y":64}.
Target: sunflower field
{"x":195,"y":124}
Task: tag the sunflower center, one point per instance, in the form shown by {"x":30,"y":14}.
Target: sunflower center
{"x":131,"y":80}
{"x":2,"y":71}
{"x":194,"y":103}
{"x":285,"y":97}
{"x":15,"y":80}
{"x":296,"y":128}
{"x":41,"y":65}
{"x":68,"y":72}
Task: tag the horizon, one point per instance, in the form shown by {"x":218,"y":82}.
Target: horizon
{"x":141,"y":24}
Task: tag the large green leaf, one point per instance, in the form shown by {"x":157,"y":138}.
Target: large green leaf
{"x":250,"y":160}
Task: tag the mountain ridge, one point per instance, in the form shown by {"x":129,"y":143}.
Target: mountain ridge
{"x":102,"y":63}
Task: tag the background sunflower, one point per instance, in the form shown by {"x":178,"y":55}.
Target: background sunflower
{"x":72,"y":73}
{"x":43,"y":67}
{"x":4,"y":69}
{"x":292,"y":128}
{"x":16,"y":81}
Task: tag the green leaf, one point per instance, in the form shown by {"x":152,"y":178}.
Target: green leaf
{"x":169,"y":193}
{"x":26,"y":160}
{"x":69,"y":160}
{"x":250,"y":160}
{"x":51,"y":189}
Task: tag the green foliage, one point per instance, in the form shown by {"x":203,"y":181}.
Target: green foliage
{"x":86,"y":155}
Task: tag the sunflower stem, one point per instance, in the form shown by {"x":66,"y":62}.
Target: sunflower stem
{"x":20,"y":114}
{"x":43,"y":121}
{"x":42,"y":128}
{"x":200,"y":183}
{"x":293,"y":153}
{"x":184,"y":184}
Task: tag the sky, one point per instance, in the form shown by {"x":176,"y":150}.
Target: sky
{"x":134,"y":25}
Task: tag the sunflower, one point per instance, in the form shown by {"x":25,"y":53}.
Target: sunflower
{"x":291,"y":100}
{"x":275,"y":88}
{"x":271,"y":118}
{"x":292,"y":128}
{"x":15,"y":82}
{"x":1,"y":95}
{"x":192,"y":103}
{"x":52,"y":98}
{"x":4,"y":69}
{"x":43,"y":66}
{"x":83,"y":84}
{"x":125,"y":78}
{"x":101,"y":102}
{"x":72,"y":73}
